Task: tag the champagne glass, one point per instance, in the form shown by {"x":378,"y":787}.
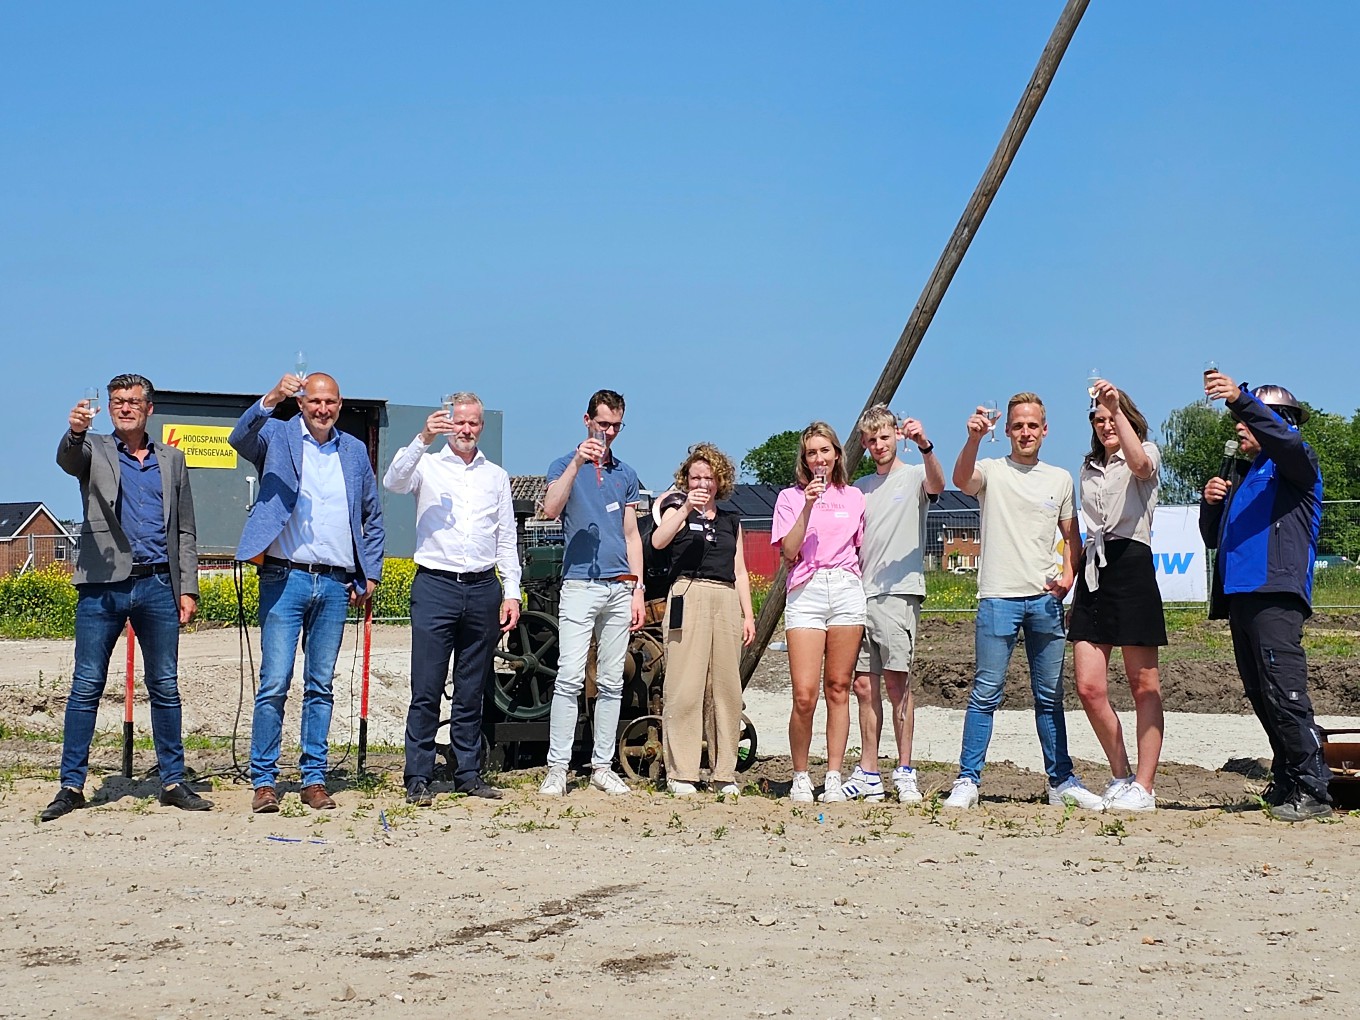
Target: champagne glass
{"x":820,"y":473}
{"x":300,"y":364}
{"x":1210,"y":367}
{"x":599,"y":436}
{"x":448,"y":403}
{"x":91,"y":398}
{"x":992,"y":410}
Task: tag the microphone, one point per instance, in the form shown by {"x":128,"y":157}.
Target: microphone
{"x":1225,"y":471}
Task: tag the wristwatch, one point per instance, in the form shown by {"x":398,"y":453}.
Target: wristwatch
{"x":926,"y":449}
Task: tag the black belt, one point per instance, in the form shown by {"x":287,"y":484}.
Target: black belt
{"x":148,"y":569}
{"x":339,"y":573}
{"x":475,"y":577}
{"x":701,"y":577}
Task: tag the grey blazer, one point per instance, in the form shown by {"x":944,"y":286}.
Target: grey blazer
{"x":105,"y":554}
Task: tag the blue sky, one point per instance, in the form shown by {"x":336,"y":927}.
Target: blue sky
{"x":726,"y":211}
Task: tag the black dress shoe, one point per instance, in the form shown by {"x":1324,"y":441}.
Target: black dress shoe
{"x":185,"y":799}
{"x":66,"y":801}
{"x":482,"y":789}
{"x":418,"y":793}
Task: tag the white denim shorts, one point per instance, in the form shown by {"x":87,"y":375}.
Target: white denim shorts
{"x":829,"y":598}
{"x":890,"y":626}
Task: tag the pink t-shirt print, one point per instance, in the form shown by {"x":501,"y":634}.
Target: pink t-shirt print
{"x":835,"y":529}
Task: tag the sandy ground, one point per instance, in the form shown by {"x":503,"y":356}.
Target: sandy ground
{"x":752,"y":908}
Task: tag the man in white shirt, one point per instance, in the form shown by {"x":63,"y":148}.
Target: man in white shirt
{"x":465,"y":534}
{"x":1022,"y":581}
{"x":892,"y":561}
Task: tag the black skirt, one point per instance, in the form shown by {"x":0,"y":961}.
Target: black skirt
{"x":1127,"y":607}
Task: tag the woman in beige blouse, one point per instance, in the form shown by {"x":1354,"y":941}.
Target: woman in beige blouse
{"x":1117,"y":602}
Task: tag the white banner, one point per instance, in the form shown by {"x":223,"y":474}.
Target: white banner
{"x":1179,"y":554}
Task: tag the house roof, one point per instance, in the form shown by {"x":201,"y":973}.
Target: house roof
{"x":13,"y":517}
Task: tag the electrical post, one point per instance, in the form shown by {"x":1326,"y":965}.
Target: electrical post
{"x":127,"y":702}
{"x":363,"y":696}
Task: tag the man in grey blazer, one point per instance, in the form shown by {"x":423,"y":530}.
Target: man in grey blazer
{"x":316,"y":533}
{"x":138,"y":562}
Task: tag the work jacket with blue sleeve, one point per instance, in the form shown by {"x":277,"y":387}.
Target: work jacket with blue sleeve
{"x":1266,"y":530}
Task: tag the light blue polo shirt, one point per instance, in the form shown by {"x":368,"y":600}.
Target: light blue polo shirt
{"x":592,"y":520}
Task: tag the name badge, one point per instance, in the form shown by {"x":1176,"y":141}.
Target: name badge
{"x":696,"y":527}
{"x":900,"y":497}
{"x":842,"y":513}
{"x":611,"y":508}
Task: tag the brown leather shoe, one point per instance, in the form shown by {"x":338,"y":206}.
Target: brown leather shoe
{"x":265,"y":801}
{"x":316,"y":798}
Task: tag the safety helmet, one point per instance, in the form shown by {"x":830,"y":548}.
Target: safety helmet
{"x":1280,"y":400}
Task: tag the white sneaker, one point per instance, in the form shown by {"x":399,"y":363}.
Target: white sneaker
{"x":608,"y":781}
{"x":1071,"y":789}
{"x":1132,"y":797}
{"x":832,"y":791}
{"x":555,"y":783}
{"x":801,"y":791}
{"x":904,"y":779}
{"x":729,"y":790}
{"x":863,"y":786}
{"x":963,"y":796}
{"x":1114,"y":787}
{"x":680,"y":788}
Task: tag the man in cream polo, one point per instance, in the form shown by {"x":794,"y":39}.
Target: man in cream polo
{"x":1022,"y":581}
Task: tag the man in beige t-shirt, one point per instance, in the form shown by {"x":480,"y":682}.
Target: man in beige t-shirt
{"x":1022,"y":580}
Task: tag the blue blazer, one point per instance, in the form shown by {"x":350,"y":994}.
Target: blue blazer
{"x":275,"y":448}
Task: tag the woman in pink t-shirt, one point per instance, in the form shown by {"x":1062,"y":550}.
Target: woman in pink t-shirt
{"x":818,"y":526}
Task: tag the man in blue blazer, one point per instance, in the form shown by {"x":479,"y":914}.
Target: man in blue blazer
{"x":316,"y":533}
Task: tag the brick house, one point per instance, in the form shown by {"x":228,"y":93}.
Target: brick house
{"x":31,"y":538}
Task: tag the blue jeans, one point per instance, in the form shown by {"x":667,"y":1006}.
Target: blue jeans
{"x":102,"y":611}
{"x":999,"y":622}
{"x":450,"y":619}
{"x":602,"y":609}
{"x":293,"y":603}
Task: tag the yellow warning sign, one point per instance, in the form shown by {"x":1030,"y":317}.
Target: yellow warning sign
{"x":203,"y":445}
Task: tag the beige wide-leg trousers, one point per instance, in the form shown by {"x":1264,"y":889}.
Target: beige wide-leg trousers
{"x":703,"y":682}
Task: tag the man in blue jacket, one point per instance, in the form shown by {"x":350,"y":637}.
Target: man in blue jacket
{"x":316,"y":533}
{"x":1265,"y":528}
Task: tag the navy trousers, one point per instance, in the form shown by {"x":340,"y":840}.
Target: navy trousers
{"x":449,"y":620}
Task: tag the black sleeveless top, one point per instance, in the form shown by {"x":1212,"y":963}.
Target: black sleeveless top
{"x":707,"y":550}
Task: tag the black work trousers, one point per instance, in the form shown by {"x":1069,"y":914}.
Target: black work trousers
{"x":450,"y":619}
{"x":1267,"y":633}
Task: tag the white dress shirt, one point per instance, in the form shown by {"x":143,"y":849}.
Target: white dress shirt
{"x":465,"y":521}
{"x":318,"y":531}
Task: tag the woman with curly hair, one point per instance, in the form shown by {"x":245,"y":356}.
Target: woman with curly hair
{"x":708,"y":619}
{"x":818,"y":526}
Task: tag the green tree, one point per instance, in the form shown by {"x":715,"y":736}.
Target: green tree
{"x":1192,"y":450}
{"x":773,"y":461}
